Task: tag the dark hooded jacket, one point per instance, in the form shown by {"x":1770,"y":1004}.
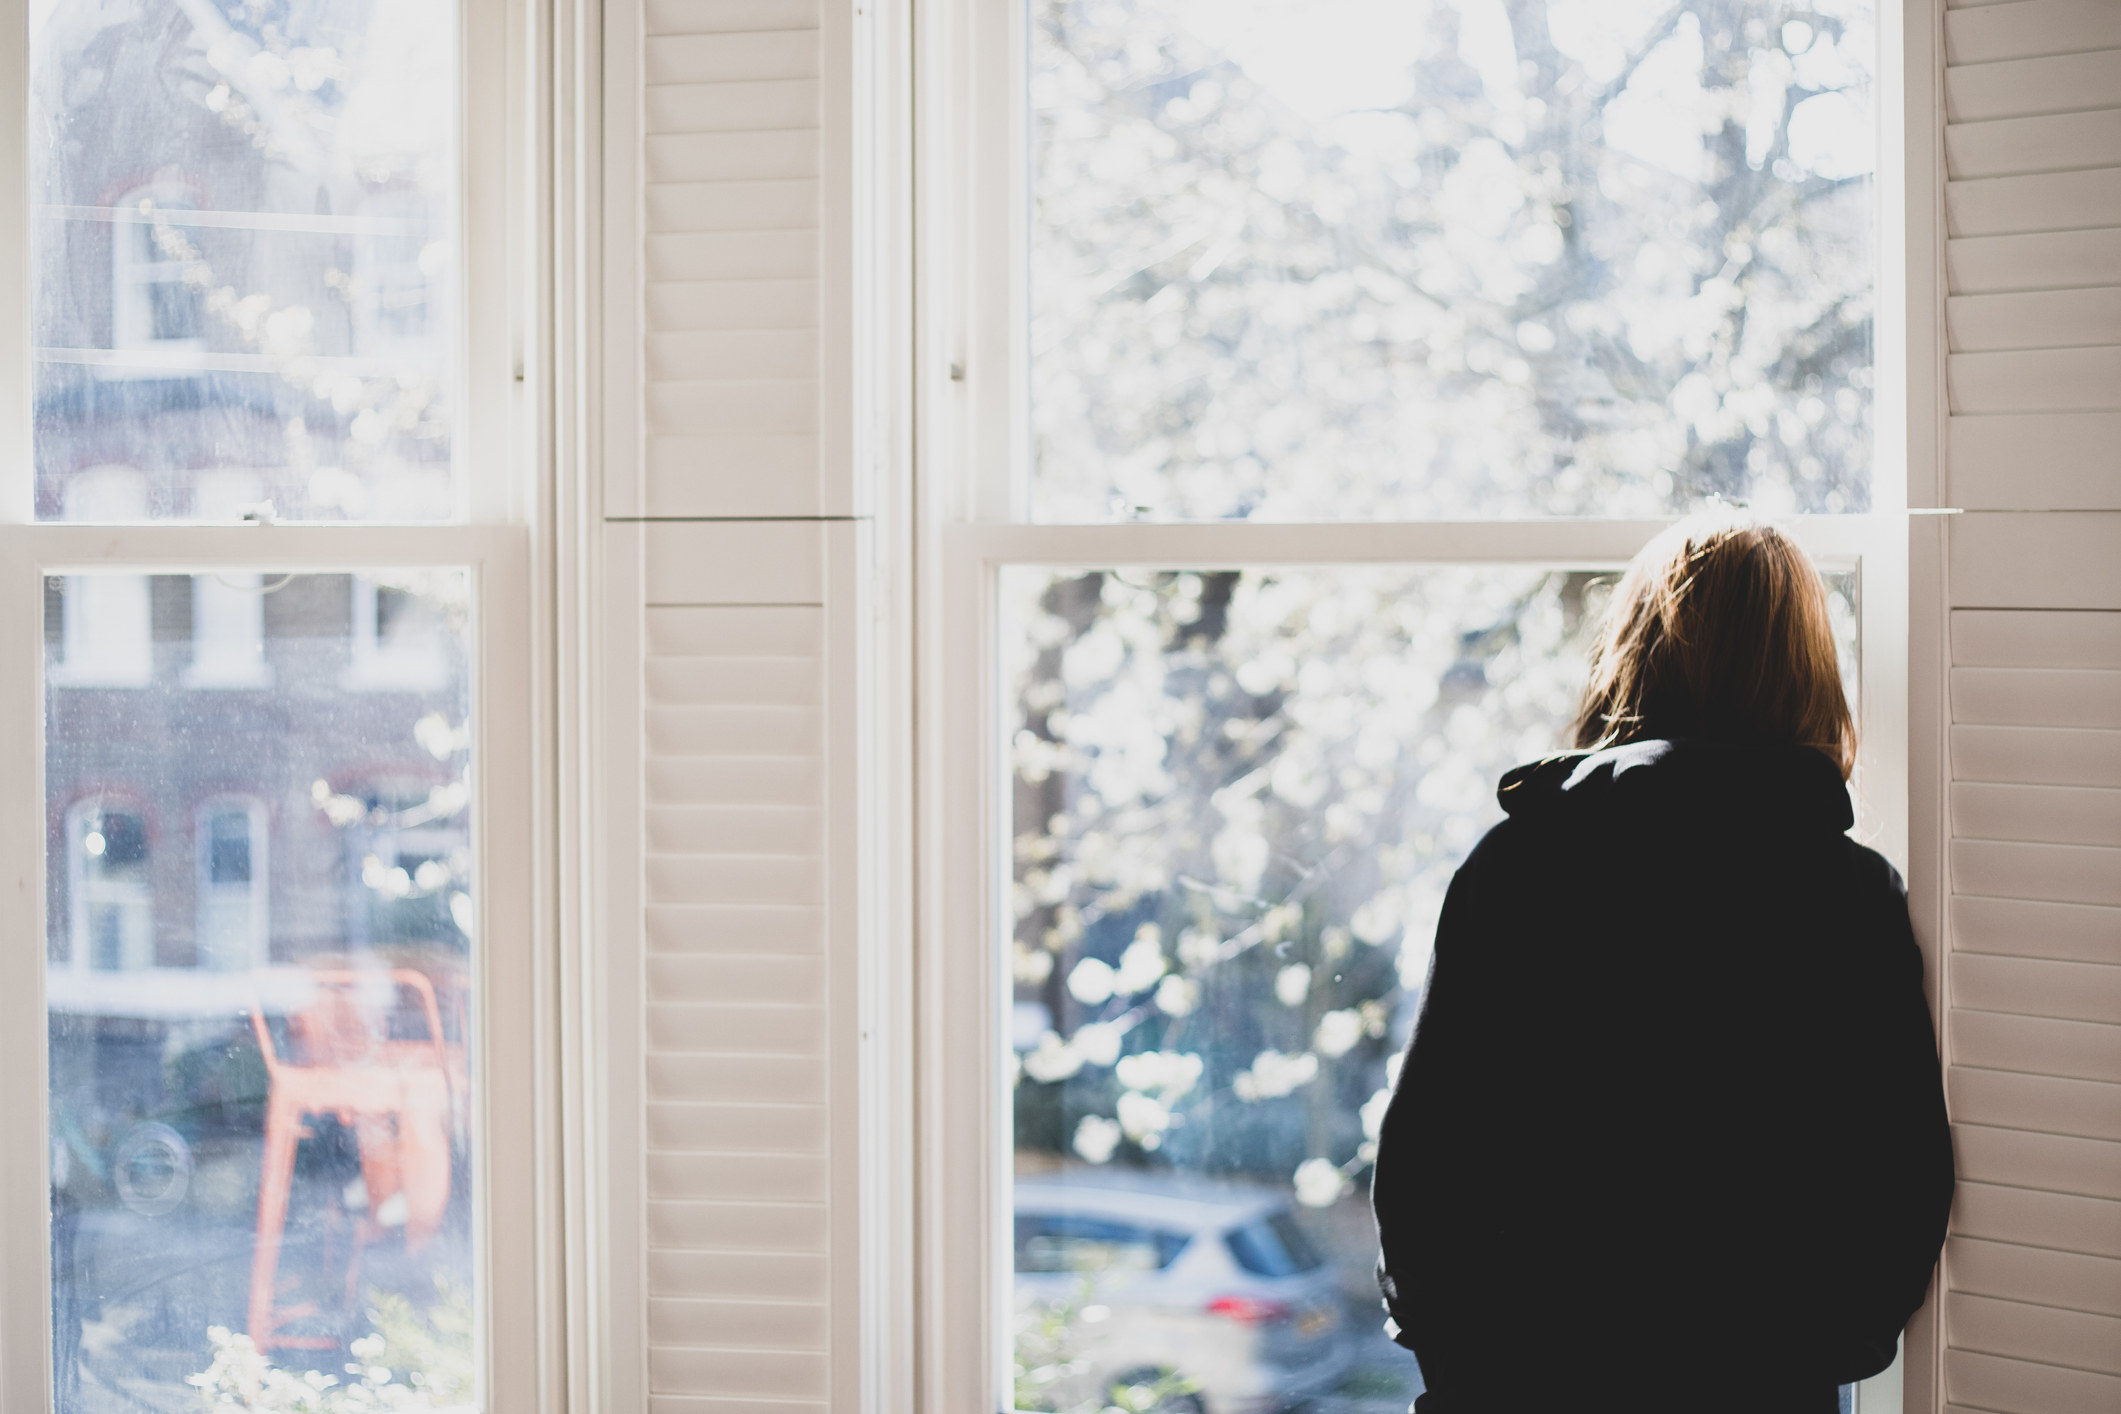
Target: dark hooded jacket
{"x":1671,"y":1127}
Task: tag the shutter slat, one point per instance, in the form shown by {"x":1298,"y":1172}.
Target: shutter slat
{"x":755,"y":407}
{"x":733,"y":829}
{"x":733,"y":255}
{"x":764,"y":780}
{"x":734,"y":1227}
{"x":2057,"y":83}
{"x":767,"y":1177}
{"x":731,"y":206}
{"x":699,"y":1127}
{"x":734,"y":680}
{"x":2028,"y":638}
{"x":709,"y":565}
{"x":756,"y":878}
{"x":2023,"y":1387}
{"x":2067,"y":1222}
{"x":777,"y":354}
{"x":731,"y":731}
{"x":692,"y":305}
{"x":2044,"y":1103}
{"x":733,"y":928}
{"x":2023,"y":1158}
{"x":726,"y":16}
{"x":2055,"y":143}
{"x":2074,"y":1340}
{"x":780,"y":1079}
{"x":736,"y":977}
{"x":770,"y":1325}
{"x":2036,"y":561}
{"x":2024,"y":986}
{"x":745,"y":156}
{"x":761,"y":1276}
{"x":764,"y":1030}
{"x":2043,"y":260}
{"x":2066,"y":932}
{"x":2074,"y":1281}
{"x":2036,"y":755}
{"x":2029,"y":27}
{"x":2043,"y":319}
{"x":2043,"y":814}
{"x":2058,"y":873}
{"x":764,"y":105}
{"x":2036,"y":380}
{"x":2054,"y":201}
{"x":2036,"y":461}
{"x":2080,"y":1050}
{"x":732,"y":58}
{"x":2037,"y":697}
{"x":773,"y":1374}
{"x":760,"y":631}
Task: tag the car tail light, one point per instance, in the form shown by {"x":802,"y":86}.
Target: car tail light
{"x":1249,"y":1310}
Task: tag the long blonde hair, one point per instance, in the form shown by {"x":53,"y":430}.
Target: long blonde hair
{"x":1718,"y":629}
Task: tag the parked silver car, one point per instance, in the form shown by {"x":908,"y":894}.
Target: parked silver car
{"x":1201,"y":1298}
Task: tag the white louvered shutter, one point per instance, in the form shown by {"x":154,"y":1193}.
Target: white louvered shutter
{"x":2032,"y":1272}
{"x":736,"y":1002}
{"x":729,"y":1239}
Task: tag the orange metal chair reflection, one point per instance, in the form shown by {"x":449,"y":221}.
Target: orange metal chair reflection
{"x":399,"y":1098}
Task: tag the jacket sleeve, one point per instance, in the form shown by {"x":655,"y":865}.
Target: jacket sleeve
{"x":1899,"y":1140}
{"x":1414,"y":1181}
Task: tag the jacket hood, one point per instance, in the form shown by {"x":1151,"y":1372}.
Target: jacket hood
{"x":1772,"y":784}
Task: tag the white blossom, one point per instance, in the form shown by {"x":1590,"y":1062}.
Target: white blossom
{"x":1096,"y":1137}
{"x":1273,"y":1075}
{"x":1052,"y":1059}
{"x":1177,"y":996}
{"x":1090,"y":982}
{"x":1319,"y":1183}
{"x":1098,"y":1043}
{"x":1337,"y":1033}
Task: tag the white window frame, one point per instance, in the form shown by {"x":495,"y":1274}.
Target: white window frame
{"x":972,"y":211}
{"x":504,"y":469}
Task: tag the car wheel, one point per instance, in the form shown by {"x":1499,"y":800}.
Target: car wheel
{"x":151,"y":1169}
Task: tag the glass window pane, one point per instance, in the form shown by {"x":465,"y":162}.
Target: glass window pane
{"x":244,"y":249}
{"x":1350,"y":259}
{"x":1238,"y":799}
{"x":258,"y":897}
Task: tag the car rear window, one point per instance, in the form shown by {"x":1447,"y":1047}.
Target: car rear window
{"x":1274,"y":1246}
{"x":1060,"y":1242}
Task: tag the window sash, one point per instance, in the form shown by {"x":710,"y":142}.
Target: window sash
{"x":495,"y":485}
{"x":965,"y":977}
{"x":503,"y":849}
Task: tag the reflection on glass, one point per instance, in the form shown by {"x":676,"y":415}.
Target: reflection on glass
{"x":259,"y":901}
{"x":1238,"y":799}
{"x":1331,"y":259}
{"x":244,"y":254}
